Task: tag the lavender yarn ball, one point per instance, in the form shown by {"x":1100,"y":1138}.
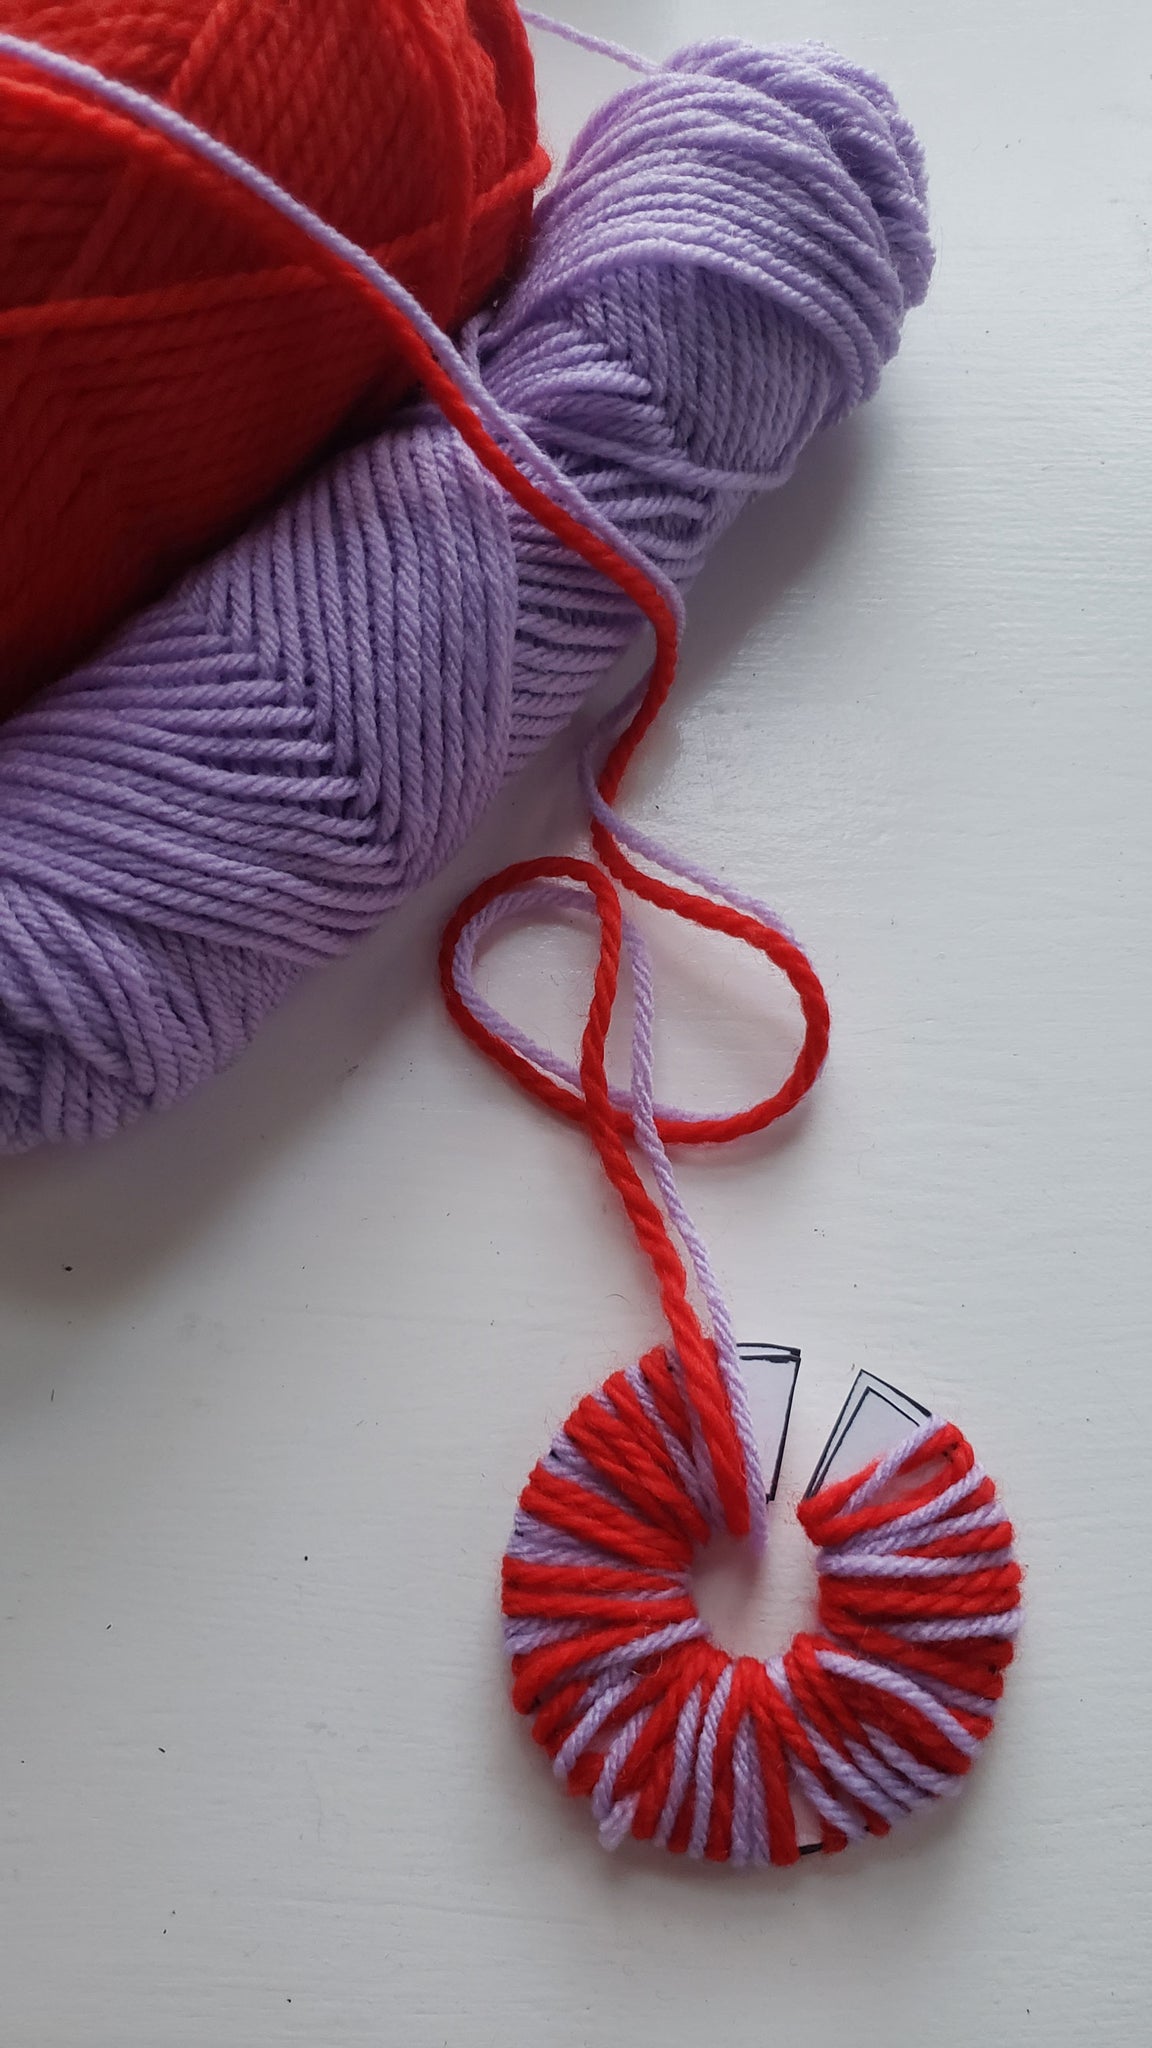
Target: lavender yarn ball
{"x":258,"y":767}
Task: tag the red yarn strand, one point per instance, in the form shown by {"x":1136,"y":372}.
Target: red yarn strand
{"x":410,"y":125}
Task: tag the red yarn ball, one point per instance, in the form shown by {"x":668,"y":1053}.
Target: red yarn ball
{"x":167,"y":362}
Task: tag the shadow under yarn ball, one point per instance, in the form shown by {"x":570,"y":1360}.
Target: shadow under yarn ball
{"x":254,"y":771}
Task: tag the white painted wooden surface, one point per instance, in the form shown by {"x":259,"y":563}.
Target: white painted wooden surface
{"x":273,"y":1369}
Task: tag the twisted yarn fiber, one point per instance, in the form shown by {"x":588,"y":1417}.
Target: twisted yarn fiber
{"x":670,"y":1738}
{"x":258,"y":768}
{"x":164,"y":365}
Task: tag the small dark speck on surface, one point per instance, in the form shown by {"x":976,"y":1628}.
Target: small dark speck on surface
{"x":67,"y":1269}
{"x":107,"y":1626}
{"x":52,"y":1395}
{"x":163,"y":1752}
{"x":305,"y":1557}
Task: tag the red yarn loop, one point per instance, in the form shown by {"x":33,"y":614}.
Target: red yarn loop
{"x":782,"y":952}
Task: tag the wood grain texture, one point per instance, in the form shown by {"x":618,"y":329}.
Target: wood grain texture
{"x":273,"y":1369}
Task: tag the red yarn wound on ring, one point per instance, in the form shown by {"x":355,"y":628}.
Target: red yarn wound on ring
{"x":878,"y":1712}
{"x":166,"y":361}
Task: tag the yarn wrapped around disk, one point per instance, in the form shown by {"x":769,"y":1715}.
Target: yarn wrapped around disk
{"x":676,"y":1741}
{"x":165,"y":365}
{"x":671,"y":1738}
{"x":256,"y":769}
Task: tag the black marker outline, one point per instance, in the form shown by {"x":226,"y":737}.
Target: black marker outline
{"x":866,"y":1382}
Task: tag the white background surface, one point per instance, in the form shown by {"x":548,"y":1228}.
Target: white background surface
{"x":273,"y":1369}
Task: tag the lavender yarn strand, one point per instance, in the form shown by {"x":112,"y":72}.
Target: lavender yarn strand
{"x":254,"y":770}
{"x":640,"y":1102}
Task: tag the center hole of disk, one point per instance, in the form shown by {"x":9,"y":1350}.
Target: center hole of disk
{"x":753,"y":1606}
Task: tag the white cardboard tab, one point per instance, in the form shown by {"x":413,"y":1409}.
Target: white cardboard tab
{"x":770,"y":1382}
{"x":875,"y":1418}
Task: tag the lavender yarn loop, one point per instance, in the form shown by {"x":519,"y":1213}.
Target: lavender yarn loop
{"x":258,"y":767}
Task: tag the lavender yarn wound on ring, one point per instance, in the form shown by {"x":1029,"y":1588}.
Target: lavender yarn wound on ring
{"x":261,"y":765}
